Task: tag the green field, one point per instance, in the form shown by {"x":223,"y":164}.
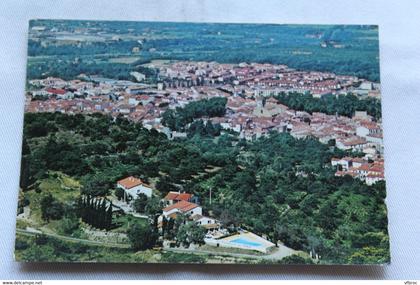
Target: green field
{"x":343,"y":49}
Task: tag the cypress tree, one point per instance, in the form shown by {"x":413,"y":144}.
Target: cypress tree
{"x":164,"y":225}
{"x":109,"y":217}
{"x":155,"y":224}
{"x":96,"y":215}
{"x":88,"y":212}
{"x":103,"y":215}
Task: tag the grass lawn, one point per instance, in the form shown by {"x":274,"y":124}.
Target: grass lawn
{"x":125,"y":221}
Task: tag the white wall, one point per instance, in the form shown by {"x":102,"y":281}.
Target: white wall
{"x":195,"y":211}
{"x":145,"y":190}
{"x":205,"y":221}
{"x":137,"y":190}
{"x":362,"y":131}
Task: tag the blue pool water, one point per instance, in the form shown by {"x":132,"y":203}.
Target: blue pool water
{"x":245,"y":242}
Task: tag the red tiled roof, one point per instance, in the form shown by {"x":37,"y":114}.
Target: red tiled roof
{"x":175,"y":196}
{"x":354,"y":142}
{"x":171,"y":196}
{"x":376,"y":169}
{"x":131,"y":182}
{"x":184,"y":197}
{"x":370,"y":125}
{"x":364,"y":167}
{"x":182,"y":206}
{"x":56,"y":91}
{"x":371,"y":175}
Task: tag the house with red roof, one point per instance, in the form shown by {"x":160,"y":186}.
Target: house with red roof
{"x":183,"y":207}
{"x":56,"y":91}
{"x":174,"y":197}
{"x":373,"y":178}
{"x":133,"y":186}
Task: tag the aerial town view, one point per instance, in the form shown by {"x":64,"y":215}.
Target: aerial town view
{"x":153,"y":142}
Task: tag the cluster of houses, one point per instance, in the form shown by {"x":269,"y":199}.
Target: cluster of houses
{"x":186,"y":204}
{"x":365,"y":170}
{"x":262,"y":79}
{"x":183,"y":203}
{"x":176,"y":203}
{"x":249,"y":112}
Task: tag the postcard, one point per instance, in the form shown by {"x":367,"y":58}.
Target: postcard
{"x":164,"y":142}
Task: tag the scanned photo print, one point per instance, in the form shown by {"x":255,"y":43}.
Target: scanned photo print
{"x":164,"y":142}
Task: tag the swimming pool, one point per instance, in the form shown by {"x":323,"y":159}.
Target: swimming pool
{"x":245,"y":241}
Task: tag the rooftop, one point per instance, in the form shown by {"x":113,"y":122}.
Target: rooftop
{"x":131,"y":182}
{"x":182,"y":206}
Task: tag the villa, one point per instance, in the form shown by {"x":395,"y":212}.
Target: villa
{"x":174,"y":197}
{"x":183,"y":207}
{"x":208,"y":223}
{"x":133,"y":187}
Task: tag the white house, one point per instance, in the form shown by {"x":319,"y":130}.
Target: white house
{"x":206,"y":222}
{"x":203,"y":220}
{"x":366,"y":85}
{"x":345,"y":162}
{"x":367,"y":129}
{"x":133,"y":101}
{"x":133,"y":187}
{"x":183,"y":207}
{"x":229,"y":126}
{"x":373,"y":178}
{"x":357,"y":162}
{"x":354,"y":143}
{"x":362,"y":131}
{"x":174,"y":197}
{"x":375,"y":138}
{"x":138,"y":76}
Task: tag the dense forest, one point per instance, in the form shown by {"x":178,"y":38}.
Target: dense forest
{"x":331,"y":104}
{"x":276,"y":186}
{"x":342,"y":49}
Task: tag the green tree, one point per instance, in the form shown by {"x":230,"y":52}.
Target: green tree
{"x":190,"y":233}
{"x":119,"y":193}
{"x":140,"y":203}
{"x":69,"y":225}
{"x":51,"y":209}
{"x":370,"y":255}
{"x":153,"y":206}
{"x":296,"y":259}
{"x":96,"y":185}
{"x":141,"y":236}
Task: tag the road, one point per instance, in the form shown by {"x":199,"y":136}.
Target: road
{"x":72,"y":239}
{"x":279,"y":253}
